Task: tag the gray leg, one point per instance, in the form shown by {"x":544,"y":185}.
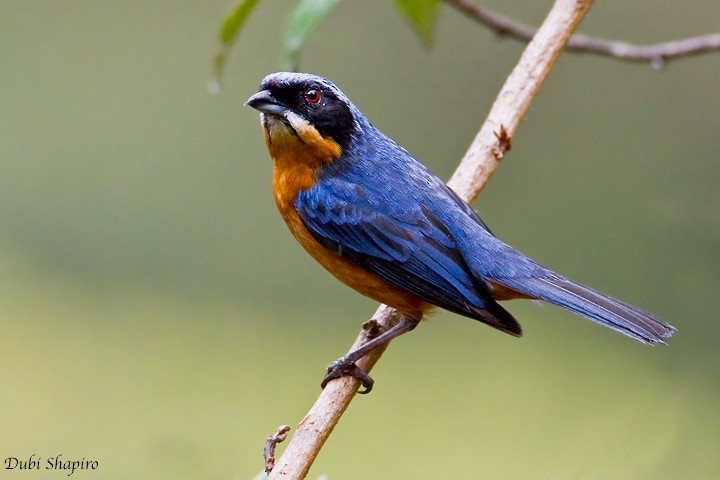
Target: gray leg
{"x":345,"y":365}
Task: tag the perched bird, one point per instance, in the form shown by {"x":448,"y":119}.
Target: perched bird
{"x":382,"y":223}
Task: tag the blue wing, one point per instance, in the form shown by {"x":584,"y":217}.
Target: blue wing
{"x":408,"y":247}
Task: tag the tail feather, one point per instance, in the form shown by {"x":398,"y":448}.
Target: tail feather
{"x":592,"y":304}
{"x":497,"y":317}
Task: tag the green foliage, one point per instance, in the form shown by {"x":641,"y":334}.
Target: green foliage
{"x":229,"y":30}
{"x":235,"y":19}
{"x":306,"y":16}
{"x":422,"y":15}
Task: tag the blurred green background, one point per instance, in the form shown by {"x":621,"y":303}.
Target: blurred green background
{"x":156,"y":316}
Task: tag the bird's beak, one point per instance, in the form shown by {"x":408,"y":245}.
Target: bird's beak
{"x":264,"y":102}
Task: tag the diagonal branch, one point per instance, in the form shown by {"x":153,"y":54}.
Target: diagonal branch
{"x":475,"y":169}
{"x":657,"y":53}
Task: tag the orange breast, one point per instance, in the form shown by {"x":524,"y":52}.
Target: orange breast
{"x":294,"y":170}
{"x":352,"y":275}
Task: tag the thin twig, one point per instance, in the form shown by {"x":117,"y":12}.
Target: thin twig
{"x":315,"y":428}
{"x":475,"y":169}
{"x":270,"y":443}
{"x":657,"y":53}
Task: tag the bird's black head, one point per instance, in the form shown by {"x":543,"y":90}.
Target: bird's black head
{"x":297,"y":100}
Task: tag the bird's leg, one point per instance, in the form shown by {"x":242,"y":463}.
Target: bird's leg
{"x":345,"y":365}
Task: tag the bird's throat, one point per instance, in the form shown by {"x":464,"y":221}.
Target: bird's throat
{"x":298,"y":152}
{"x":293,"y":136}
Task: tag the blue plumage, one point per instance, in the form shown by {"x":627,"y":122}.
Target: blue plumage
{"x":356,"y":209}
{"x":378,"y":207}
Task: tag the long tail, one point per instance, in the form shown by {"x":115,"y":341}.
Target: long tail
{"x":546,"y":285}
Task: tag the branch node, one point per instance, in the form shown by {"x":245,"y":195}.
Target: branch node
{"x":657,"y":63}
{"x":503,"y":144}
{"x":270,"y":444}
{"x":372,"y":328}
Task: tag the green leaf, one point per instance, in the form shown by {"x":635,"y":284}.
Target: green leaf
{"x":229,"y":30}
{"x":303,"y":20}
{"x":422,"y":15}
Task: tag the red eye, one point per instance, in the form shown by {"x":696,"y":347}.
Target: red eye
{"x":313,"y":96}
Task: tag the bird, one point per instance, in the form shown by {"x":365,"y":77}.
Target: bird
{"x":382,"y":223}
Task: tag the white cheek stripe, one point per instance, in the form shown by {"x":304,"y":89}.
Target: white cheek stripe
{"x":296,"y":121}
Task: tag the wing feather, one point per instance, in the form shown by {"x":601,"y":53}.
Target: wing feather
{"x":414,"y":252}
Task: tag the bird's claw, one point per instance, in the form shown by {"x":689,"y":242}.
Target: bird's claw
{"x":343,"y":368}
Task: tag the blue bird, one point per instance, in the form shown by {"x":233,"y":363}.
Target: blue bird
{"x":382,"y":223}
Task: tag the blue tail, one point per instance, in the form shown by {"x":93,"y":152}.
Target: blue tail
{"x":585,"y":301}
{"x":504,"y":268}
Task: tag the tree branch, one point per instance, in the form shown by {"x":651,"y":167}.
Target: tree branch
{"x":484,"y":155}
{"x":657,"y":53}
{"x":270,"y":444}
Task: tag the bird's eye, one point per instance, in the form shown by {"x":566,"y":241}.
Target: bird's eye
{"x":313,"y":96}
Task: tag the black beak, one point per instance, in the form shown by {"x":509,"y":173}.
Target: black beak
{"x":264,"y":102}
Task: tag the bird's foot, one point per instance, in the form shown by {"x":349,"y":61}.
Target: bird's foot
{"x":344,"y":367}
